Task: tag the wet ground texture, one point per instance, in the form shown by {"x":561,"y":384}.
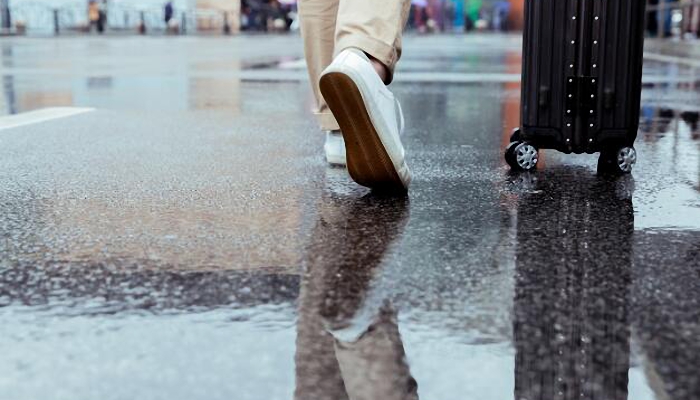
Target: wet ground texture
{"x":187,"y":240}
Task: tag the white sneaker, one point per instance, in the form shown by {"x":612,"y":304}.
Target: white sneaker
{"x":335,"y":148}
{"x":370,"y":119}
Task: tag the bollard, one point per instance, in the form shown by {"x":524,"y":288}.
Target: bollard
{"x":227,"y":26}
{"x":661,"y":18}
{"x":56,"y":28}
{"x":142,"y":24}
{"x":183,"y":25}
{"x":5,"y":15}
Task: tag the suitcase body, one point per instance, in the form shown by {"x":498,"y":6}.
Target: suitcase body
{"x":581,"y":79}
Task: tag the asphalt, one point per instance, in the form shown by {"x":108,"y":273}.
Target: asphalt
{"x":186,"y":239}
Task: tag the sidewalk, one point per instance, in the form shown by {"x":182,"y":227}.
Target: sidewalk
{"x":159,"y":246}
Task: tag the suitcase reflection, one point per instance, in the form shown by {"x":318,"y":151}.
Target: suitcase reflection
{"x":573,"y":273}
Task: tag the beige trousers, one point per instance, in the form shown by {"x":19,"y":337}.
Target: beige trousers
{"x":330,"y":26}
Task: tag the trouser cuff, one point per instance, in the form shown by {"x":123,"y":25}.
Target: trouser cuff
{"x":385,"y":53}
{"x":327,"y":121}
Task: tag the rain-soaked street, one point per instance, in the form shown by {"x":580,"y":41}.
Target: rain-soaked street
{"x":185,"y":238}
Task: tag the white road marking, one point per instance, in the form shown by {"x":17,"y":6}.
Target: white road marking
{"x":294,"y":64}
{"x":42,"y":115}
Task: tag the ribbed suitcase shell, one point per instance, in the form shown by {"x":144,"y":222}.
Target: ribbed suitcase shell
{"x":582,"y":73}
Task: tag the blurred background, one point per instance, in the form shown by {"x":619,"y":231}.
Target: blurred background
{"x":41,"y":17}
{"x":677,"y":19}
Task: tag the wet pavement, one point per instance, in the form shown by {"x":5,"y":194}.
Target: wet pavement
{"x":187,"y":240}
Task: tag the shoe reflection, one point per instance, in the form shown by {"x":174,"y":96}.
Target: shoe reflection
{"x":348,"y":342}
{"x":574,"y":256}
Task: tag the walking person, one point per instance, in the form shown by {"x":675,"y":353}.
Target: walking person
{"x":102,"y":16}
{"x":94,"y":15}
{"x":691,"y":21}
{"x":168,"y":13}
{"x":352,"y":47}
{"x":652,"y":19}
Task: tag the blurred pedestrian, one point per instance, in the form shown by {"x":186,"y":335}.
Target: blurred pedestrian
{"x":691,"y":21}
{"x":419,"y":14}
{"x":94,"y":15}
{"x":276,"y":21}
{"x":448,"y":16}
{"x":665,"y":17}
{"x":352,"y":47}
{"x":102,"y":16}
{"x":460,"y":20}
{"x":473,"y":14}
{"x":652,"y":19}
{"x":168,"y":12}
{"x":434,"y":13}
{"x":501,"y":12}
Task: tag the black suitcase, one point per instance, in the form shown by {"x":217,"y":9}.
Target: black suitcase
{"x":581,"y":81}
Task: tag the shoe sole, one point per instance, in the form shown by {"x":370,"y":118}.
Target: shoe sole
{"x":367,"y":160}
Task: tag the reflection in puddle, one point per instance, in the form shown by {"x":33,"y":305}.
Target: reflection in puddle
{"x":132,"y":93}
{"x":8,"y":101}
{"x":570,"y":318}
{"x":571,"y":327}
{"x":348,"y":341}
{"x":657,"y":121}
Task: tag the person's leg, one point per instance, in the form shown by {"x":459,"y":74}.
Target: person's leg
{"x":317,"y":21}
{"x":318,"y":374}
{"x":367,"y":47}
{"x":374,"y":366}
{"x":373,"y":27}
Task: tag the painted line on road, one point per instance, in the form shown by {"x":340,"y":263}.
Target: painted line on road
{"x":42,"y":115}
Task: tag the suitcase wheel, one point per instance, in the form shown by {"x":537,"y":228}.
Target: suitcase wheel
{"x":618,"y":162}
{"x":522,"y":156}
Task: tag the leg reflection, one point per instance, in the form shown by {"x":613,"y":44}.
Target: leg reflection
{"x":571,"y":301}
{"x":348,"y":342}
